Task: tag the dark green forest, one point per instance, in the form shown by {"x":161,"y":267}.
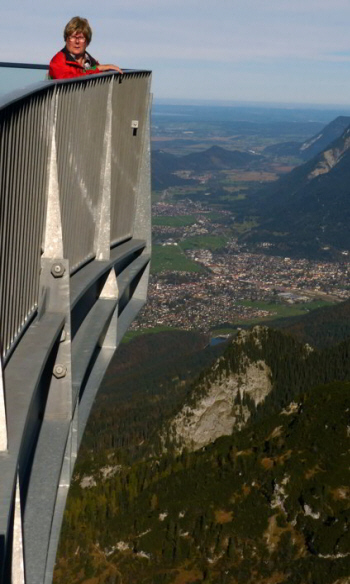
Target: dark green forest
{"x":270,"y":503}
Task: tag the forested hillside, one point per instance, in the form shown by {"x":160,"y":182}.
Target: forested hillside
{"x":267,"y":503}
{"x":306,"y":213}
{"x":146,"y":380}
{"x":320,"y":328}
{"x":314,"y":145}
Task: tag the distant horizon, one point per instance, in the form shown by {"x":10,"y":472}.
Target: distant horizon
{"x":285,"y":54}
{"x":241,"y":103}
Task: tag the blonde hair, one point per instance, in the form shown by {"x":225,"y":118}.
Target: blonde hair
{"x":77,"y":24}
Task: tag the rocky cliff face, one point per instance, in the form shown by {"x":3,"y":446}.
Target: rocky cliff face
{"x":268,"y":504}
{"x":220,"y":408}
{"x":330,"y":158}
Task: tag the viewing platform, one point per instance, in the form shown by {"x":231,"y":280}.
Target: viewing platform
{"x":75,"y":246}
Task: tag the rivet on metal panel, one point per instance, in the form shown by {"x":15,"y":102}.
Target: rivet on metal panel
{"x":57,"y":270}
{"x":59,"y":371}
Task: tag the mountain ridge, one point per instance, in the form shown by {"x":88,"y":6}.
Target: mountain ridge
{"x":306,"y":213}
{"x":215,"y":158}
{"x":246,"y":379}
{"x":313,"y":146}
{"x":268,"y":503}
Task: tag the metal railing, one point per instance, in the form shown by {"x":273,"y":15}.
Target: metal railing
{"x":64,"y":133}
{"x":74,"y":262}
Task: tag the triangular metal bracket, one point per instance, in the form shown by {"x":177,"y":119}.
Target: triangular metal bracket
{"x":103,"y":218}
{"x":17,"y":545}
{"x":53,"y":240}
{"x":110,"y":289}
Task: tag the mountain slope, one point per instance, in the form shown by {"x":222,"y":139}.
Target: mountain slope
{"x":320,"y":328}
{"x":309,"y":209}
{"x":268,"y":503}
{"x":261,"y":370}
{"x":217,"y":158}
{"x":315,"y":144}
{"x":164,"y":165}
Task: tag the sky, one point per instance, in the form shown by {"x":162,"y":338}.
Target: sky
{"x":272,"y":51}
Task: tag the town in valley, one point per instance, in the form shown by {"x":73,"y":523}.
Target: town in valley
{"x":220,"y":287}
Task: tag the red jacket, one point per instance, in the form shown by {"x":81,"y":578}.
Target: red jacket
{"x":63,"y":66}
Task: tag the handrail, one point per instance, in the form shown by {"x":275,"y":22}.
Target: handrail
{"x":45,"y":67}
{"x":24,"y":65}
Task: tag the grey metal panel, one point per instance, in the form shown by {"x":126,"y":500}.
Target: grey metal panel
{"x":25,"y":142}
{"x":24,"y":147}
{"x":142,"y":225}
{"x":128,"y":315}
{"x":85,"y":341}
{"x":64,"y":126}
{"x":129,"y":274}
{"x":80,"y":133}
{"x":41,"y":500}
{"x":24,"y":398}
{"x":95,"y":270}
{"x":92,"y":387}
{"x":129,"y":104}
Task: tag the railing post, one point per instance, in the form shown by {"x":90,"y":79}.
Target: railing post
{"x":142,"y":225}
{"x":103,"y":228}
{"x":3,"y":421}
{"x":55,"y":284}
{"x":17,"y":544}
{"x":103,"y":219}
{"x":110,"y":292}
{"x":45,"y":483}
{"x":53,"y":241}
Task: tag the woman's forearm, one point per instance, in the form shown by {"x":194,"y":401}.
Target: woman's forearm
{"x":104,"y":68}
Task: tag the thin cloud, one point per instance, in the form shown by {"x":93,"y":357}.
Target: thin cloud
{"x":202,"y":37}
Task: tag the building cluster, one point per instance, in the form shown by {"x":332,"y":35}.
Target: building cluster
{"x":203,"y":224}
{"x":233,"y":285}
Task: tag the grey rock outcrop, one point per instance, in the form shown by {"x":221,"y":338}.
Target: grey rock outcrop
{"x":218,"y":409}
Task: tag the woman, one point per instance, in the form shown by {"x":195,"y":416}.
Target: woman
{"x":73,"y":60}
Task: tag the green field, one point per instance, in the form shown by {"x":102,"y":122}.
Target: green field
{"x":178,"y":221}
{"x":232,"y":197}
{"x":238,"y":228}
{"x":130,"y":335}
{"x":171,"y":257}
{"x":156,"y":196}
{"x":278,"y":311}
{"x":214,"y":216}
{"x":281,"y":310}
{"x":212,"y":242}
{"x":225,"y":330}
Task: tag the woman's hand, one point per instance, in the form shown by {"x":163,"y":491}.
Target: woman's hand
{"x":104,"y":68}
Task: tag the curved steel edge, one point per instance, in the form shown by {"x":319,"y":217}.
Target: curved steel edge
{"x":43,"y":443}
{"x":42,"y":86}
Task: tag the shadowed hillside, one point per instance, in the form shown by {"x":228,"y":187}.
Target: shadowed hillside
{"x":321,"y":328}
{"x":307,"y":212}
{"x":310,"y":148}
{"x":267,"y":502}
